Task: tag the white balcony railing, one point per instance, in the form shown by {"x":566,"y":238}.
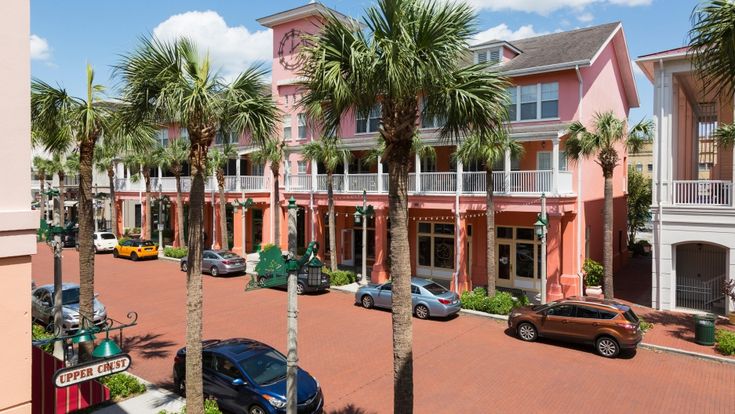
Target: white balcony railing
{"x":71,"y":181}
{"x":168,"y":184}
{"x":702,"y":193}
{"x":338,"y":183}
{"x":299,"y":183}
{"x":360,"y":182}
{"x":254,"y":182}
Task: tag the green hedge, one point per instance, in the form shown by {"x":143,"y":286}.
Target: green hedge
{"x":210,"y":407}
{"x":175,"y":252}
{"x":500,"y":304}
{"x":122,"y":385}
{"x":38,"y":332}
{"x":725,"y":341}
{"x":340,"y":277}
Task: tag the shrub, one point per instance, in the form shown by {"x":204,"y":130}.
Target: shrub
{"x":645,"y":326}
{"x":500,"y":304}
{"x":175,"y":252}
{"x":123,"y":239}
{"x":640,"y":248}
{"x":210,"y":407}
{"x":593,"y":272}
{"x":725,"y":341}
{"x":340,"y":277}
{"x":122,"y":385}
{"x":38,"y":333}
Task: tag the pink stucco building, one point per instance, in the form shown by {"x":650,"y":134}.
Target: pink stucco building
{"x":558,"y":79}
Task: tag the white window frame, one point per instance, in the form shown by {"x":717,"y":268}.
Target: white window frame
{"x":518,"y":103}
{"x":257,"y":169}
{"x":562,"y":160}
{"x":359,"y":117}
{"x":162,"y":137}
{"x":433,"y":271}
{"x":301,"y":125}
{"x":301,"y":167}
{"x":287,"y":127}
{"x":489,"y":54}
{"x":435,"y":122}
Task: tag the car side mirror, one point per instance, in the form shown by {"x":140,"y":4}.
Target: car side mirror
{"x":238,"y":382}
{"x":45,"y":303}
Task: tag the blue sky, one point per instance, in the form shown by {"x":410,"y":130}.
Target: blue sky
{"x":65,"y":35}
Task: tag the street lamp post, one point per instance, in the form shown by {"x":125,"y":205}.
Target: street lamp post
{"x":541,"y":227}
{"x":160,"y":218}
{"x":361,"y":215}
{"x":244,"y":206}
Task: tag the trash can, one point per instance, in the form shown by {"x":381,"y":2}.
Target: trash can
{"x":704,"y":329}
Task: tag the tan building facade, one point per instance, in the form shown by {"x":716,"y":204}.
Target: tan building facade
{"x":642,"y":161}
{"x":17,"y":221}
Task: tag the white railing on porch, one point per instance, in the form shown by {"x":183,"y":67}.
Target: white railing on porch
{"x":338,"y":182}
{"x":694,"y":293}
{"x":254,"y":182}
{"x":299,"y":182}
{"x":71,"y":181}
{"x":168,"y":184}
{"x":360,"y":182}
{"x":702,"y":192}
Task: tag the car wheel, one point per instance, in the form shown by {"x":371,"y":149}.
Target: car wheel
{"x":367,"y":301}
{"x":261,"y":281}
{"x":256,"y":409}
{"x":527,"y":332}
{"x":299,"y":288}
{"x":133,"y":257}
{"x":607,"y":347}
{"x":214,"y":271}
{"x":184,"y":267}
{"x":115,"y":253}
{"x":422,"y":312}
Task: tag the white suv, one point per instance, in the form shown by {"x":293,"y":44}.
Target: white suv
{"x":104,"y":241}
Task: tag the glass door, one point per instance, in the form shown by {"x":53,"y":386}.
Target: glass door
{"x":504,"y":265}
{"x":347,"y":253}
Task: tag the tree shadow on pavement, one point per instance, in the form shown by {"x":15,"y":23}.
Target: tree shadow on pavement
{"x":149,"y":346}
{"x":349,"y":409}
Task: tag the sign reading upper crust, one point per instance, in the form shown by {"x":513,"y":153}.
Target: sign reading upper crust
{"x":91,"y":370}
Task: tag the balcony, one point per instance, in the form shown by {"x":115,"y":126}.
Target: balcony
{"x":233,"y":184}
{"x":71,"y":181}
{"x":710,"y":193}
{"x":439,"y":183}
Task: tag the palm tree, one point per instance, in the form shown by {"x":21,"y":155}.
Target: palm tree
{"x":106,"y":156}
{"x":328,"y":152}
{"x":142,"y":161}
{"x":173,"y":158}
{"x":609,"y":134}
{"x":172,"y":81}
{"x":61,"y":166}
{"x":271,"y":151}
{"x":712,"y":48}
{"x":42,"y":166}
{"x":487,"y":151}
{"x":62,"y":123}
{"x":218,"y":160}
{"x":409,"y":49}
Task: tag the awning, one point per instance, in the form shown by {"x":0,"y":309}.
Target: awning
{"x":68,"y":203}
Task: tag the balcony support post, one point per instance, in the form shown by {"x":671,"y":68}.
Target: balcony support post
{"x":555,"y":163}
{"x":460,"y":173}
{"x":380,"y":174}
{"x":238,"y":183}
{"x":286,"y":175}
{"x":506,"y":172}
{"x":347,"y":174}
{"x":418,"y":174}
{"x":314,"y":185}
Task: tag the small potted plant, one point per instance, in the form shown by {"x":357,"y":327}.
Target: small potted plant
{"x":729,"y":290}
{"x":593,"y":273}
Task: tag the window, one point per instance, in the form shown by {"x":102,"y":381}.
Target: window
{"x":301,"y":118}
{"x":549,"y":100}
{"x":436,"y":248}
{"x":301,"y":167}
{"x":543,"y":159}
{"x":588,"y":313}
{"x":606,"y":314}
{"x":487,"y":56}
{"x":428,"y":164}
{"x":387,"y":286}
{"x":435,"y":289}
{"x":481,"y":56}
{"x":587,"y":236}
{"x":415,"y":290}
{"x":561,"y":310}
{"x":184,"y":134}
{"x":369,"y":123}
{"x":639,"y":167}
{"x":265,"y":367}
{"x":505,"y":232}
{"x":257,"y":169}
{"x":430,"y":121}
{"x":650,"y":167}
{"x":227,"y":138}
{"x":539,"y":101}
{"x":162,"y":137}
{"x":227,"y":368}
{"x":287,"y":128}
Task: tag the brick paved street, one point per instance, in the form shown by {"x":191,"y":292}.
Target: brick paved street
{"x":464,"y":365}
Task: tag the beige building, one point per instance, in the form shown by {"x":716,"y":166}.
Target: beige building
{"x":642,"y":161}
{"x":17,"y":221}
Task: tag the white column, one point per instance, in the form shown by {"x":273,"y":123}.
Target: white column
{"x":555,"y":164}
{"x":238,"y":184}
{"x":418,"y":174}
{"x":506,"y":171}
{"x":380,"y":174}
{"x":347,"y":174}
{"x":314,"y":170}
{"x":286,"y":175}
{"x":460,"y":171}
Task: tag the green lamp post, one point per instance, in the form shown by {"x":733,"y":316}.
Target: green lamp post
{"x":541,"y":226}
{"x":362,"y":213}
{"x":244,"y":206}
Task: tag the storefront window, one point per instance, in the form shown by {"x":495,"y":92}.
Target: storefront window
{"x":436,"y":246}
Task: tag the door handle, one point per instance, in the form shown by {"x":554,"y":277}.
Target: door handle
{"x":595,"y":324}
{"x":564,"y":321}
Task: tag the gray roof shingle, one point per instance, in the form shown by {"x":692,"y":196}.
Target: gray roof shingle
{"x":557,"y":48}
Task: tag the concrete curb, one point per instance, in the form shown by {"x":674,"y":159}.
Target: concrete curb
{"x":170,"y":259}
{"x":484,"y":314}
{"x":154,"y":399}
{"x":692,"y":354}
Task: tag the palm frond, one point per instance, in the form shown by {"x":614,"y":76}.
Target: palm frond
{"x":712,"y":46}
{"x":725,"y":136}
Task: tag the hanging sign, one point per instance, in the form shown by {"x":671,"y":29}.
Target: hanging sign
{"x":91,"y":370}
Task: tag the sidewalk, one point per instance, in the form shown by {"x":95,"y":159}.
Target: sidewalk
{"x":152,"y":401}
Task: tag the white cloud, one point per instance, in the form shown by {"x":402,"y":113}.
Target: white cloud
{"x":40,"y":50}
{"x":545,"y":7}
{"x":586,"y":17}
{"x":231,"y":48}
{"x":503,"y":32}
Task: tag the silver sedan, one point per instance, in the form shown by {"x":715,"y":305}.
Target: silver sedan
{"x":428,"y":298}
{"x":218,"y":262}
{"x":42,"y":304}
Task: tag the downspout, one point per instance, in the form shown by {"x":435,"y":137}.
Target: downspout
{"x":657,"y":165}
{"x":580,"y":275}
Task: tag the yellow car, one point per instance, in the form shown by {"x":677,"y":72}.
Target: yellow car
{"x":136,"y":249}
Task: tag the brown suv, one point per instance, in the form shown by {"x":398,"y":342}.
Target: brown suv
{"x":607,"y":324}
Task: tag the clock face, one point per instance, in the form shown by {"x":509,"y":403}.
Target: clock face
{"x":289,"y":46}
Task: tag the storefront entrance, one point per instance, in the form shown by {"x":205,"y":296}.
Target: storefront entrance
{"x":518,"y":254}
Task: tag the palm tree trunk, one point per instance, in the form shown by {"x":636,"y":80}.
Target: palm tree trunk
{"x":113,"y":202}
{"x":402,"y":310}
{"x":62,"y":199}
{"x":194,"y":388}
{"x":276,"y":206}
{"x":147,"y":225}
{"x":179,"y":213}
{"x":332,"y":223}
{"x":222,"y":212}
{"x":86,"y":248}
{"x":490,"y":253}
{"x":607,"y":240}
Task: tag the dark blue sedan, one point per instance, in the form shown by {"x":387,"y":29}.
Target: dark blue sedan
{"x":247,"y":376}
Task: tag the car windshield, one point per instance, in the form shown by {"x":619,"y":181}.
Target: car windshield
{"x":435,"y":288}
{"x":265,"y":368}
{"x":107,"y":236}
{"x":70,"y":296}
{"x":228,"y":255}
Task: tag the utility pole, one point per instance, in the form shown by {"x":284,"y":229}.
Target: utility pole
{"x":541,"y":226}
{"x":362,"y":213}
{"x":244,"y":206}
{"x":160,"y":218}
{"x":292,"y":360}
{"x":58,"y":298}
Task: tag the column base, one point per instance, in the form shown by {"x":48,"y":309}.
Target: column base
{"x":569,"y":286}
{"x":378,"y":273}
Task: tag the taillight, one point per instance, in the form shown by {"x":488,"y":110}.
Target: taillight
{"x":227,"y":262}
{"x":177,"y":359}
{"x":630,"y":327}
{"x":139,"y":250}
{"x":444,"y":301}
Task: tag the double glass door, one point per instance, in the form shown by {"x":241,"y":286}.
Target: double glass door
{"x":518,"y":255}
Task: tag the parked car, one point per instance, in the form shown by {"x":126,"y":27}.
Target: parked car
{"x":218,"y":262}
{"x":247,"y":376}
{"x":428,"y":298}
{"x":136,"y":249}
{"x":103,"y":241}
{"x":609,"y":325}
{"x":303,"y":283}
{"x":42,"y":304}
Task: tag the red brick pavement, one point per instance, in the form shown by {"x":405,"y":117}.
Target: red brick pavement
{"x":464,"y":365}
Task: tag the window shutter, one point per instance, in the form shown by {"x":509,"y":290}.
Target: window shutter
{"x":495,"y":56}
{"x":482,"y":57}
